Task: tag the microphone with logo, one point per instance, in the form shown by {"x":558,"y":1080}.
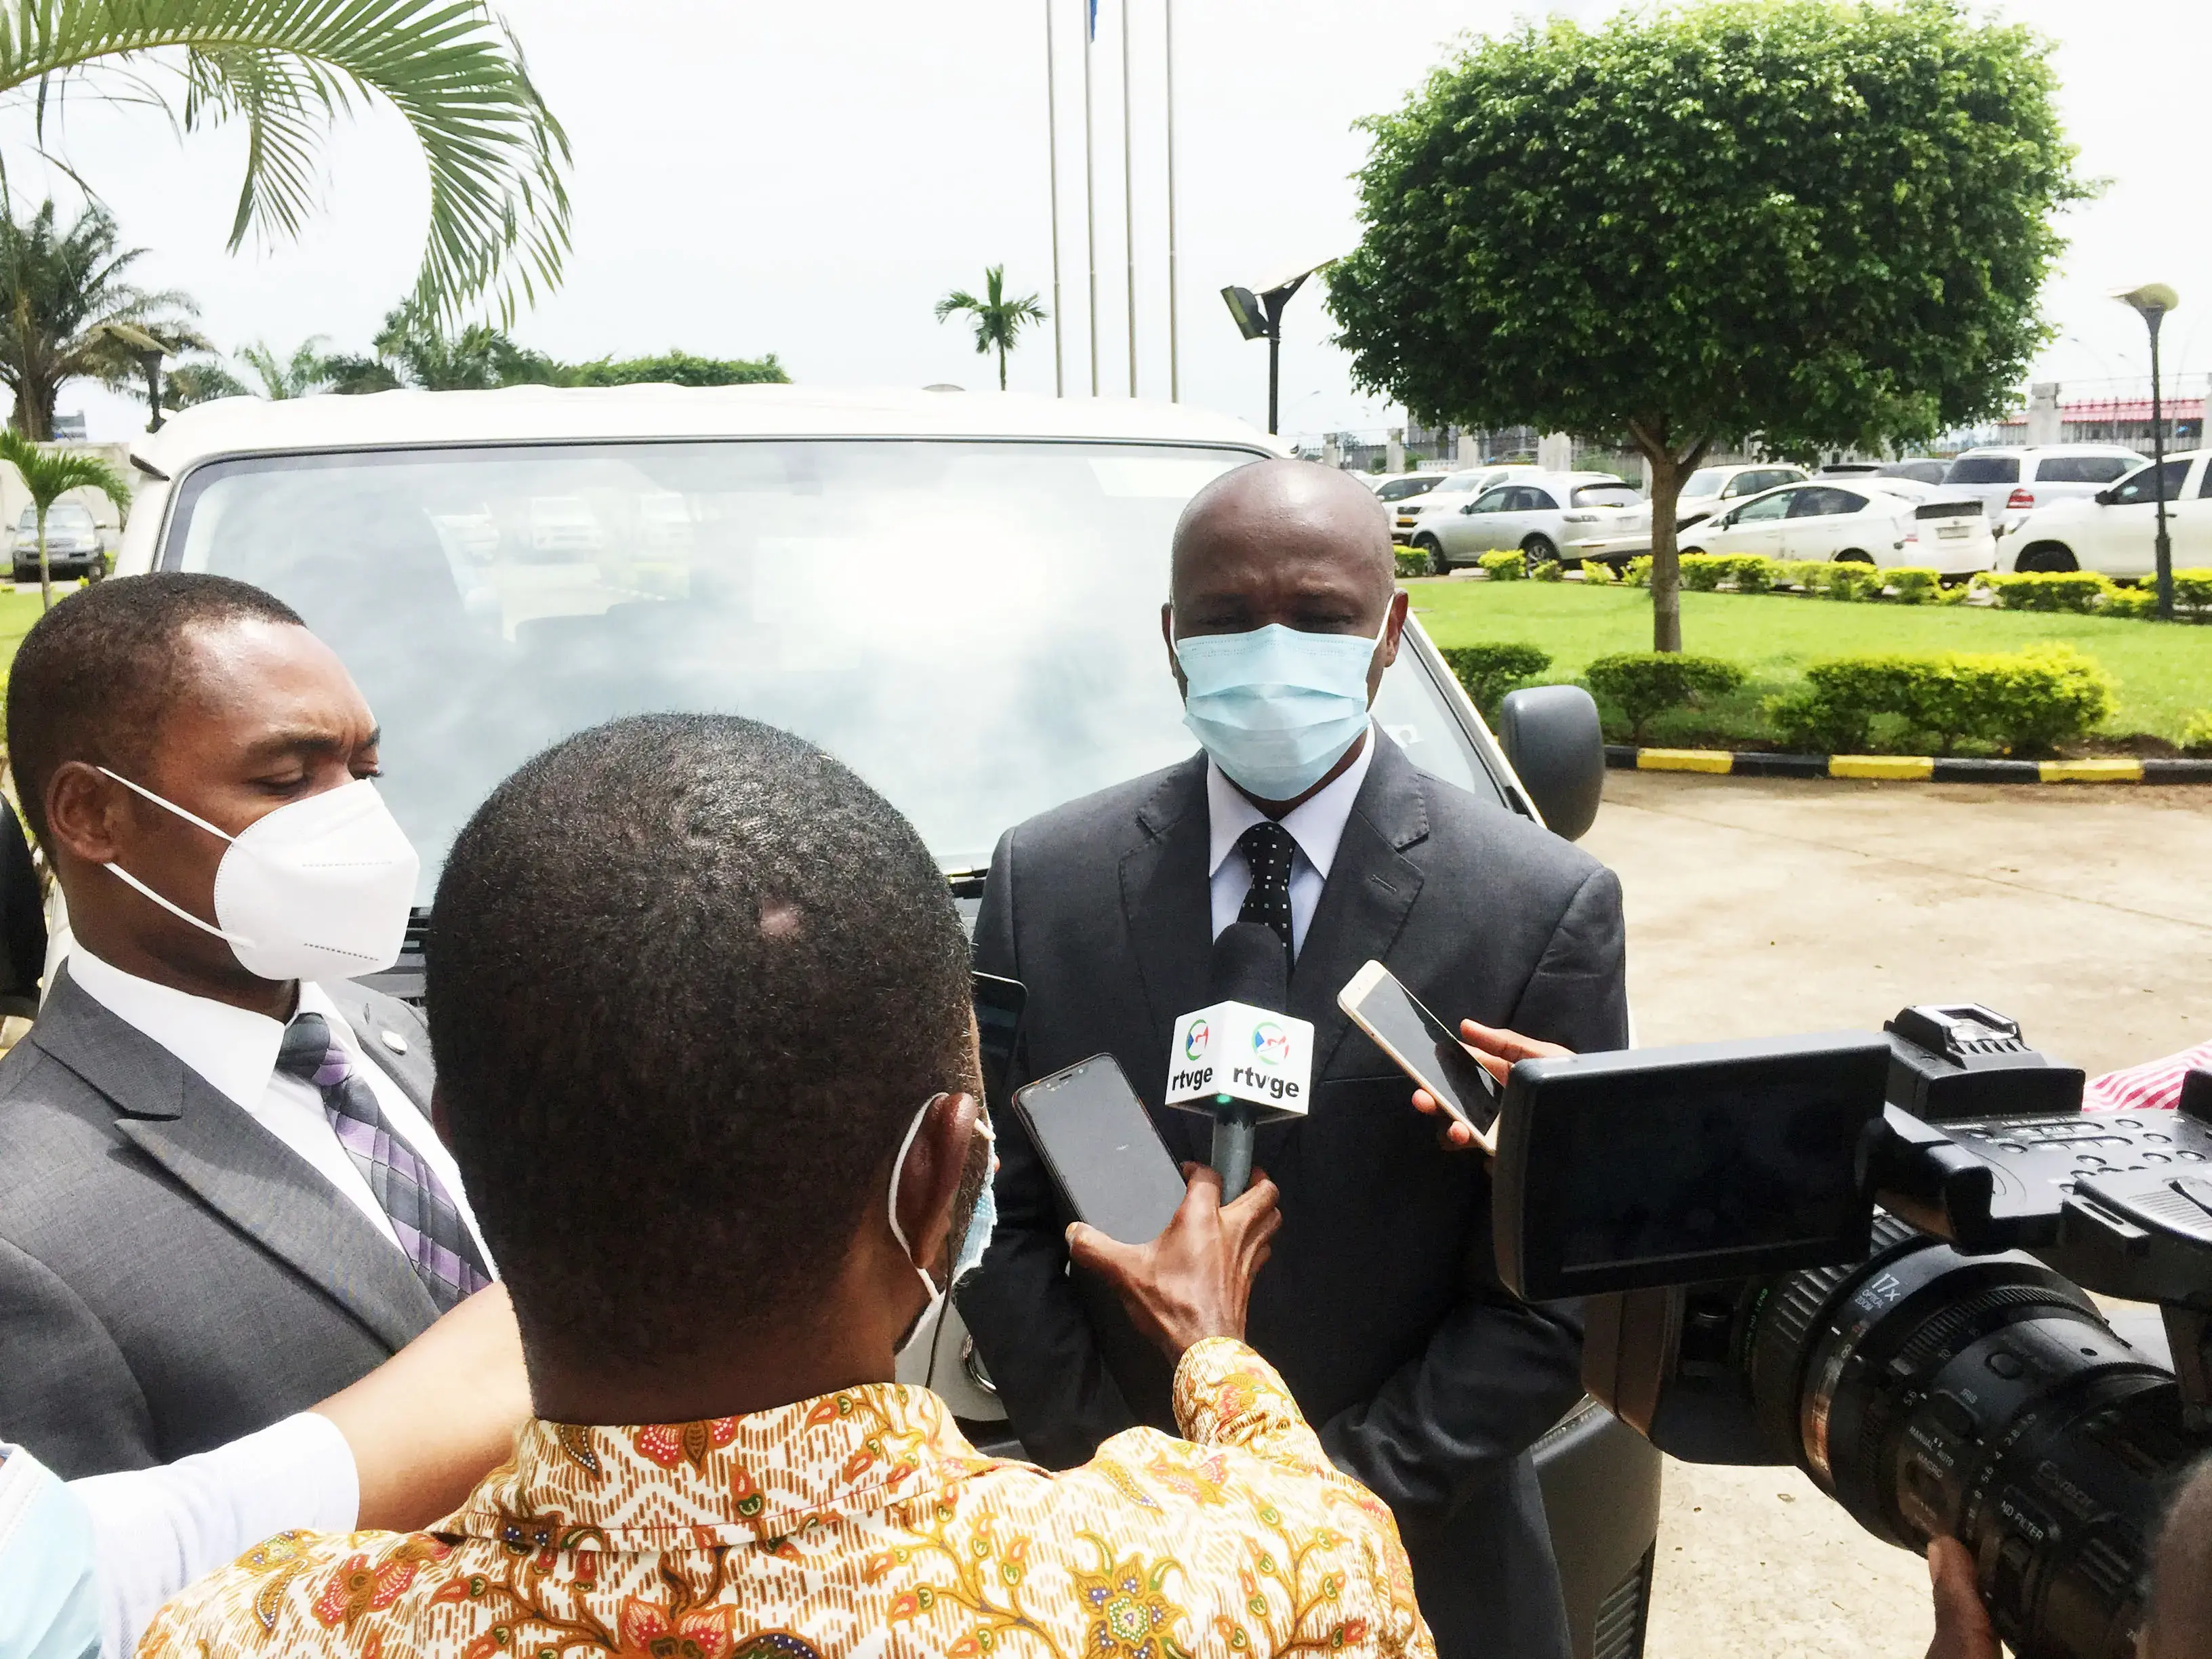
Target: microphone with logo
{"x":1241,"y":1059}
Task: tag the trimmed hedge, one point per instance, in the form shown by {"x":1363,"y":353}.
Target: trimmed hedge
{"x":2079,"y":592}
{"x":1596,"y":573}
{"x":1637,"y":572}
{"x":1549,"y":570}
{"x":1411,"y":563}
{"x":1645,"y":684}
{"x":2197,"y":734}
{"x":1491,"y":669}
{"x":2026,"y":703}
{"x":1504,"y":567}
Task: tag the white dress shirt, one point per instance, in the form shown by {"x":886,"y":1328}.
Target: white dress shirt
{"x":234,"y":1051}
{"x":156,"y":1530}
{"x":1315,"y":824}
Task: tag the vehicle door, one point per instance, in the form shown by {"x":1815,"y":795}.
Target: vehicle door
{"x":1472,"y":530}
{"x":1823,"y":522}
{"x":1534,"y":511}
{"x":1758,"y":481}
{"x":1754,"y":527}
{"x":2191,"y":526}
{"x":2121,"y":538}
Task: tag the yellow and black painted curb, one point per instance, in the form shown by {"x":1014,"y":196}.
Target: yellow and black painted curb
{"x":1910,"y":768}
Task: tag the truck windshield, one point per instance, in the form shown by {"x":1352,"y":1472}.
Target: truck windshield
{"x":973,"y":627}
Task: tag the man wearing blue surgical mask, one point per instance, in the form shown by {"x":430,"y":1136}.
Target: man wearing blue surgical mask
{"x":1381,"y":1305}
{"x":224,"y":1200}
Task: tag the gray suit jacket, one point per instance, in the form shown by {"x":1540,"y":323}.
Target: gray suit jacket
{"x":1381,"y":1303}
{"x":172,"y":1275}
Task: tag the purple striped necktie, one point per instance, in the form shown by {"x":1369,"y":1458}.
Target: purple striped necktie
{"x":431,"y":1232}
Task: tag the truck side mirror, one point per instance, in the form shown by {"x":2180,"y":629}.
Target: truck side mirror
{"x":1551,"y":737}
{"x":22,"y":920}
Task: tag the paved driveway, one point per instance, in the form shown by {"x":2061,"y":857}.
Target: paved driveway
{"x":1758,"y":906}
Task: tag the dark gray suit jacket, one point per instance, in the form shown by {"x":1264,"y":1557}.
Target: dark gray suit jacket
{"x":172,"y":1275}
{"x":1380,"y":1304}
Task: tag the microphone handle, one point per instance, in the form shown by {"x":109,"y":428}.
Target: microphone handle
{"x":1231,"y":1159}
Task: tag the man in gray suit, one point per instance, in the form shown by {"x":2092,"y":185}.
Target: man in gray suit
{"x":222,"y":1199}
{"x":1381,"y":1305}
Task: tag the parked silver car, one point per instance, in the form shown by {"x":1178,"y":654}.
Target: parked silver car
{"x":1534,"y":514}
{"x":1456,"y":491}
{"x":72,"y":543}
{"x":1703,"y":491}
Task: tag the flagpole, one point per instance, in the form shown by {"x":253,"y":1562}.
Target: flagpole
{"x":1052,"y":151}
{"x":1090,"y":190}
{"x":1175,"y":363}
{"x":1128,"y":197}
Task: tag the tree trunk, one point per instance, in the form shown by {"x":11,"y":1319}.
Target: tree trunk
{"x":1669,"y":470}
{"x":1666,"y":475}
{"x":46,"y":574}
{"x":1002,"y":366}
{"x":35,"y":409}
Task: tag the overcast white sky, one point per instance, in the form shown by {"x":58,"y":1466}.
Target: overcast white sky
{"x":808,"y":180}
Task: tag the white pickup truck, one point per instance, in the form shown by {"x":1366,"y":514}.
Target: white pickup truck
{"x":957,"y":594}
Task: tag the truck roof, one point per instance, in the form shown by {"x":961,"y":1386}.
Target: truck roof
{"x":532,"y":414}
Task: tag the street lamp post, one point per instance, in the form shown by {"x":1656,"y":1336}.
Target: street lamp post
{"x":2153,"y":301}
{"x":150,"y":351}
{"x":1259,"y":316}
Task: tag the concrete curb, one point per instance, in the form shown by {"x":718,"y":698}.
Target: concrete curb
{"x":1908,"y":768}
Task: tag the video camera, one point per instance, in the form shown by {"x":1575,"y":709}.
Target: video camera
{"x":1873,"y":1256}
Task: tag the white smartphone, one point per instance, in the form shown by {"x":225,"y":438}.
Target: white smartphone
{"x":1423,"y":1047}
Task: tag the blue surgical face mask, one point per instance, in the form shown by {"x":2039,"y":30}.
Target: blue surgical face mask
{"x":1276,"y":708}
{"x":977,"y":1238}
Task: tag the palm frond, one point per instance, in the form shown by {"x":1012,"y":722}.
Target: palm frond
{"x":499,"y":203}
{"x":49,"y":474}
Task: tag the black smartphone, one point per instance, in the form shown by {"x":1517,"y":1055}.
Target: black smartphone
{"x":1423,"y":1047}
{"x":998,"y":1005}
{"x":1104,"y":1155}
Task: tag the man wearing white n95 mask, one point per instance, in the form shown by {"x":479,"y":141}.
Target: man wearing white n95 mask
{"x":224,"y":1199}
{"x":1381,"y":1305}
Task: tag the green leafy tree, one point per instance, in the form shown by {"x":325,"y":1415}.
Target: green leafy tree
{"x":998,"y":319}
{"x":59,"y":289}
{"x":199,"y":381}
{"x":411,"y":350}
{"x":1802,"y":224}
{"x":288,"y":69}
{"x":674,"y":368}
{"x":51,"y":474}
{"x":304,"y":372}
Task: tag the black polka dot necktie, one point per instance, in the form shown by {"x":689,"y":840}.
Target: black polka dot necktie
{"x":1268,"y":849}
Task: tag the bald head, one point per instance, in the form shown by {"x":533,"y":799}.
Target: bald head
{"x":2179,"y":1624}
{"x":1286,"y":514}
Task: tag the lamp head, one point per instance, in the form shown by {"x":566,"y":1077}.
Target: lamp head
{"x":2152,"y":300}
{"x":1244,"y":307}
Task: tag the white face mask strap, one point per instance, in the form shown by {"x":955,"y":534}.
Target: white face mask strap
{"x":890,"y":1201}
{"x":187,"y":816}
{"x":176,"y":910}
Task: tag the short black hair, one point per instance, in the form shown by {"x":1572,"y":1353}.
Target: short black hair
{"x":92,"y":678}
{"x":689,"y":980}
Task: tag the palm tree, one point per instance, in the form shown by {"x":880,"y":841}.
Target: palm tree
{"x":998,"y":319}
{"x":412,"y":350}
{"x":58,"y":291}
{"x":49,"y":474}
{"x":305,"y":371}
{"x":289,"y":69}
{"x":199,"y":382}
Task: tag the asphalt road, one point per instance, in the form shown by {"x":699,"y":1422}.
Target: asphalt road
{"x":1759,"y":906}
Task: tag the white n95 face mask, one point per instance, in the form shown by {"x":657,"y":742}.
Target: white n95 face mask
{"x":318,"y":889}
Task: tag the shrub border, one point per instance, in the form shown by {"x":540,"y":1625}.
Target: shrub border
{"x":1907,"y":769}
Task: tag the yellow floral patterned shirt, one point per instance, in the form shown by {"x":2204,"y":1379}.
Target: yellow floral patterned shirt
{"x":857,"y":1524}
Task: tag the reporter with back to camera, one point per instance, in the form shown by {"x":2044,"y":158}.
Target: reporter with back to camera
{"x":1381,"y":1307}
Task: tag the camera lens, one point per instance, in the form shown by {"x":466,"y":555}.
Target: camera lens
{"x":1982,"y":1397}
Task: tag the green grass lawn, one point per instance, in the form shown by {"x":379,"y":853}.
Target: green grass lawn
{"x":2163,"y":669}
{"x":17,"y":612}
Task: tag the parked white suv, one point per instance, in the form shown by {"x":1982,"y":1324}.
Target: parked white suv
{"x":1880,"y":521}
{"x":2011,"y":480}
{"x":1534,"y":514}
{"x":2116,"y":529}
{"x":1456,"y":491}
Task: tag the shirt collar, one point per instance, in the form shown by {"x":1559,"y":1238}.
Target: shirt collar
{"x":233,"y":1048}
{"x":1316,"y":823}
{"x":733,"y":1479}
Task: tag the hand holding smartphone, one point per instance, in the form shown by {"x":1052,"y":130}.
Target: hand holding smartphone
{"x":1425,"y":1049}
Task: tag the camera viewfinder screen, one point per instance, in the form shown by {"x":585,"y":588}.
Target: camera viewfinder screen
{"x":1693,"y":1164}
